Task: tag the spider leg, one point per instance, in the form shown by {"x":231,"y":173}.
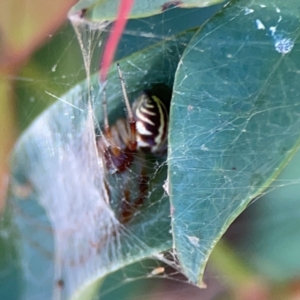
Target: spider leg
{"x":108,"y":137}
{"x":129,"y":208}
{"x":131,"y":120}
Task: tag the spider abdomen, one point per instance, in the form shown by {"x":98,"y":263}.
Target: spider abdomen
{"x":151,"y":118}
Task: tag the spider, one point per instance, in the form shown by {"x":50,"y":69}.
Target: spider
{"x":142,"y":132}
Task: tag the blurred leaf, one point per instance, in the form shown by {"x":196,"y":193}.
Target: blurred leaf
{"x":106,"y":10}
{"x":10,"y":275}
{"x":8,"y":133}
{"x":271,"y":237}
{"x":41,"y":80}
{"x":234,"y":121}
{"x":65,"y":228}
{"x":25,"y":24}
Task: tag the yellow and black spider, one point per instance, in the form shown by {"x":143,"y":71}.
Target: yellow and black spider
{"x":144,"y":130}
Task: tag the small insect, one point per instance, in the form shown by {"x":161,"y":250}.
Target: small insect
{"x":143,"y":131}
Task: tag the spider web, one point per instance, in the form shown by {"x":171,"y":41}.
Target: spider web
{"x":70,"y":187}
{"x":70,"y":176}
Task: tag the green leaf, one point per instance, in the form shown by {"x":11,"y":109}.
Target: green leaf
{"x":234,"y":121}
{"x":98,"y":10}
{"x":66,"y":232}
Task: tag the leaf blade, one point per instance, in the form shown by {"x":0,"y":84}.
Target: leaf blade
{"x":231,"y":108}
